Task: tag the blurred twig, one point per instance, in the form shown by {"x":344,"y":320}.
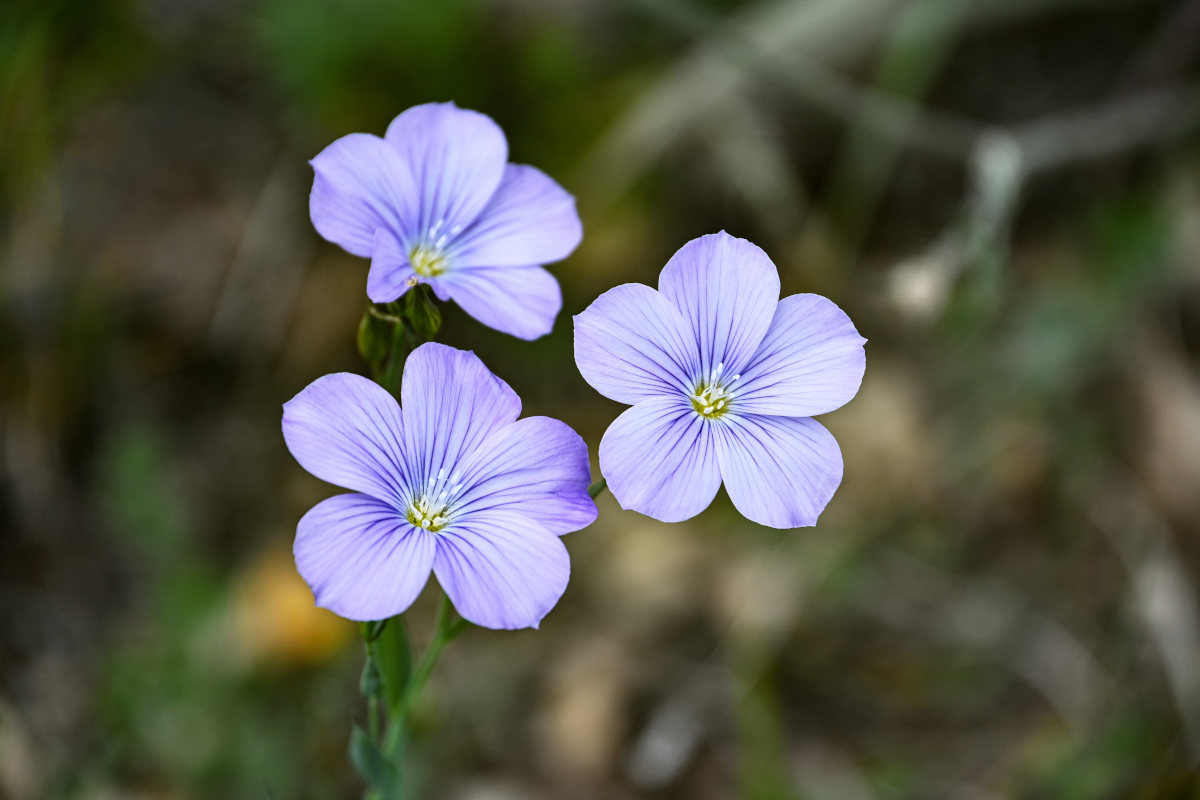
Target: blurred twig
{"x":1053,"y":141}
{"x":804,"y":77}
{"x":1168,"y":52}
{"x":1163,"y":592}
{"x":998,"y":620}
{"x":753,"y":159}
{"x":1048,"y":143}
{"x":263,"y":279}
{"x":1112,"y":127}
{"x":922,"y":38}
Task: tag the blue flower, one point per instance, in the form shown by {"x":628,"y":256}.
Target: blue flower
{"x":452,"y":482}
{"x":436,"y":202}
{"x":723,"y":377}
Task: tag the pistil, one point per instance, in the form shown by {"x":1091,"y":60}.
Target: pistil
{"x":432,"y":509}
{"x":711,"y":395}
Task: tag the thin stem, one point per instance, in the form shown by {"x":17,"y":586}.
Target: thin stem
{"x":596,"y":488}
{"x":374,"y":311}
{"x":441,"y":635}
{"x":446,"y":628}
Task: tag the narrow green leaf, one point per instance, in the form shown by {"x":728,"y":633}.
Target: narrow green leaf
{"x":422,"y":312}
{"x":371,"y":683}
{"x":373,"y":338}
{"x":393,"y":656}
{"x":372,"y":764}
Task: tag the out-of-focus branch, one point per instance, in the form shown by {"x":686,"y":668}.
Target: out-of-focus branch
{"x":1162,"y":590}
{"x":1051,"y":142}
{"x":1122,"y":124}
{"x":808,"y":80}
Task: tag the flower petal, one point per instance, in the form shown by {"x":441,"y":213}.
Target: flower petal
{"x":501,"y":569}
{"x":520,"y":301}
{"x":537,"y":467}
{"x":632,"y":344}
{"x":778,"y":471}
{"x":726,"y":288}
{"x":456,"y":158}
{"x":530,"y":220}
{"x":361,"y":558}
{"x":659,"y":459}
{"x":390,"y":270}
{"x":810,"y":362}
{"x":452,"y":403}
{"x":346,"y":430}
{"x":361,"y":185}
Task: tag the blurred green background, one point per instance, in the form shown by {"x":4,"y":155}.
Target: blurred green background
{"x":1000,"y":601}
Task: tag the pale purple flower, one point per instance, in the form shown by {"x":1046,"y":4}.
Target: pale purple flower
{"x":723,"y":377}
{"x":449,"y":481}
{"x":435,"y":201}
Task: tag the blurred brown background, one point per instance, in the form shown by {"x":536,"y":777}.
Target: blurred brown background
{"x":1001,"y":600}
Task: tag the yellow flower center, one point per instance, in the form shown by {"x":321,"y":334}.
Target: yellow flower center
{"x":431,"y":509}
{"x":712,"y":394}
{"x":427,"y":261}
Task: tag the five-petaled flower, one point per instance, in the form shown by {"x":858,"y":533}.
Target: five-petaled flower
{"x":449,"y":481}
{"x":435,"y":201}
{"x":723,"y":377}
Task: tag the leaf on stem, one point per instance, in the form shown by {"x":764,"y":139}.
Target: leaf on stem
{"x":373,"y":338}
{"x":370,"y":684}
{"x":393,"y":655}
{"x":372,"y":764}
{"x":422,"y":312}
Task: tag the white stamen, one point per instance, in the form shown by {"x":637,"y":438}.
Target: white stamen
{"x":711,"y":396}
{"x":431,"y":509}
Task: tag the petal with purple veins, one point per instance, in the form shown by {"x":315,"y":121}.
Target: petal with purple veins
{"x":632,"y":344}
{"x":390,"y":271}
{"x":363,"y":560}
{"x":452,"y":403}
{"x":501,"y":569}
{"x":536,"y":466}
{"x":811,"y":361}
{"x":347,"y":430}
{"x":456,"y":158}
{"x":659,"y":459}
{"x":726,"y":288}
{"x":530,"y":220}
{"x":778,"y":471}
{"x":520,"y":301}
{"x":361,"y":185}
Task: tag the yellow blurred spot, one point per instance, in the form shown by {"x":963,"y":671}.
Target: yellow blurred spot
{"x":275,"y":619}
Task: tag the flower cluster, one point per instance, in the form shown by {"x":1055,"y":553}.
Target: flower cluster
{"x":722,"y":376}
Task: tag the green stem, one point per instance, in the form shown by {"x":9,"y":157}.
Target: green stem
{"x":393,"y":742}
{"x":441,"y":635}
{"x":596,"y":488}
{"x":392,"y":319}
{"x":373,"y":717}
